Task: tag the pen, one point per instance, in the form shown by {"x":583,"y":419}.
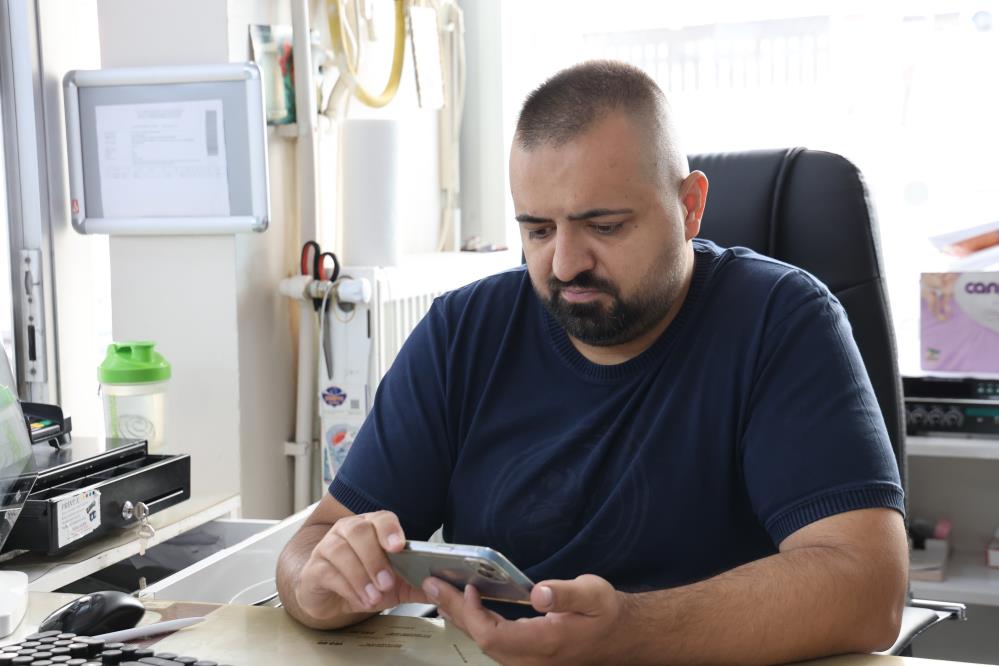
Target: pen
{"x":145,"y":630}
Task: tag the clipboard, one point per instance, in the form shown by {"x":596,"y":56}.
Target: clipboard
{"x":167,"y":150}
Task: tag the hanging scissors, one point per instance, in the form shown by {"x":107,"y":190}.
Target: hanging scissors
{"x":320,"y":265}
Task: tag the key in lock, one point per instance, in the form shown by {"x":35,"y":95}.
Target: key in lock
{"x":145,"y":531}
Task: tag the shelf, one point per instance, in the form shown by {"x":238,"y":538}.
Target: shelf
{"x":46,"y":574}
{"x":290,"y":130}
{"x":981,"y":448}
{"x":968,"y":581}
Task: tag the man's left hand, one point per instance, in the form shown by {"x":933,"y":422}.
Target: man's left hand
{"x":583,"y":621}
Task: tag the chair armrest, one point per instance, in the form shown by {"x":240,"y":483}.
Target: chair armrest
{"x":919,"y":616}
{"x":956,"y":610}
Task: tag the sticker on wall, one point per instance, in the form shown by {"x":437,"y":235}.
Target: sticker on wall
{"x":334,"y":396}
{"x":336,"y":445}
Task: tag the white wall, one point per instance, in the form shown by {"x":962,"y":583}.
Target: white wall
{"x":211,"y":303}
{"x":265,"y":320}
{"x":483,"y":153}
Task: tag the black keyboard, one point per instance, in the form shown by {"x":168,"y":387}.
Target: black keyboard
{"x":54,"y":648}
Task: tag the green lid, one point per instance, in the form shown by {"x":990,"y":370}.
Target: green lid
{"x":133,"y":363}
{"x":6,"y":396}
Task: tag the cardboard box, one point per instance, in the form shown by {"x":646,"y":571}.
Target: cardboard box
{"x":959,"y":321}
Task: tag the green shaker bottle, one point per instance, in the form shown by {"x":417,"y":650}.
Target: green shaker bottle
{"x":134,"y":379}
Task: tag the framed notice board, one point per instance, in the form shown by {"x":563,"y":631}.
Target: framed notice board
{"x":167,"y":150}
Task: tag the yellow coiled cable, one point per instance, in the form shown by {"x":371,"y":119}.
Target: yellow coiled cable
{"x":339,"y":39}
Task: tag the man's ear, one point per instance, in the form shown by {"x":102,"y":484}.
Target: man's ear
{"x":693,"y":198}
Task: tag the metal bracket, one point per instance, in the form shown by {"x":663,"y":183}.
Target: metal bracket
{"x":33,"y":306}
{"x":296,"y":449}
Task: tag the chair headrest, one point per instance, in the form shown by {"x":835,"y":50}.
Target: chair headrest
{"x":806,"y":207}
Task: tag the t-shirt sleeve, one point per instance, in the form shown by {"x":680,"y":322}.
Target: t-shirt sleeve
{"x":401,"y":459}
{"x":814,"y":444}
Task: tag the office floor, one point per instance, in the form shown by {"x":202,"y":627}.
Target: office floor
{"x":975,"y":640}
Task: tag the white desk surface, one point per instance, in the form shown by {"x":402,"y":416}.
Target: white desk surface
{"x":50,"y":573}
{"x":251,"y":636}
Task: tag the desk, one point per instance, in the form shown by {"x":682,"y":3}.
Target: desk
{"x":248,"y":636}
{"x":50,"y":573}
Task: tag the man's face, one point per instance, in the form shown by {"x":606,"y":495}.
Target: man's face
{"x":604,"y":241}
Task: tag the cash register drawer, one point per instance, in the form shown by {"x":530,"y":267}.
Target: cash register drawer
{"x":77,"y":501}
{"x":240,"y":574}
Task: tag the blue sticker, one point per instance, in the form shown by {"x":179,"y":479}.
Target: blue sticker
{"x":334,"y":396}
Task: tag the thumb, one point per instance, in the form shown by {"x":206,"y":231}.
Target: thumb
{"x":586,"y":595}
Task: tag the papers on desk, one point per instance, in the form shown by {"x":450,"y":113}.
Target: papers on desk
{"x":256,"y":635}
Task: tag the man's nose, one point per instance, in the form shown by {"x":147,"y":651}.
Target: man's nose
{"x":572,"y":255}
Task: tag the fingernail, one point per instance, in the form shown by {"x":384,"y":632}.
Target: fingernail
{"x":394,"y":540}
{"x":443,"y":615}
{"x":546,"y":595}
{"x":372,"y":593}
{"x":431,"y":589}
{"x":384,"y":579}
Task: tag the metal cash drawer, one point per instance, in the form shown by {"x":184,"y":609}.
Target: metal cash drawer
{"x":240,"y":574}
{"x":78,"y":498}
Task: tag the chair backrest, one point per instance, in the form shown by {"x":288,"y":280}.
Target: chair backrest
{"x":810,"y":209}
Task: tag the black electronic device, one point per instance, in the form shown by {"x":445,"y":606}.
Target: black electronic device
{"x":954,"y":405}
{"x":96,"y":613}
{"x":44,"y":648}
{"x":91,"y":488}
{"x":46,"y":423}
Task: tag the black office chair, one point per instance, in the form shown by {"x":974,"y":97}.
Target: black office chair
{"x":810,"y":209}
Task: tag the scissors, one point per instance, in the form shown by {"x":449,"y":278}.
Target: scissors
{"x":314,"y":263}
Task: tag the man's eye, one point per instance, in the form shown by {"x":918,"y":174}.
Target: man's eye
{"x":539,"y":234}
{"x":606,"y":229}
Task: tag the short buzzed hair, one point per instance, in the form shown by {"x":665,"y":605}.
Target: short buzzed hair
{"x":575,"y":99}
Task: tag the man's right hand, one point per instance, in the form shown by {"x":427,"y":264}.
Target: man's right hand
{"x":348,"y":570}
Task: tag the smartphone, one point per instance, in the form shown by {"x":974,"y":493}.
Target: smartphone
{"x":494,"y":576}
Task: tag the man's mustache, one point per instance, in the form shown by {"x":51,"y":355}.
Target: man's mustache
{"x":585,"y":280}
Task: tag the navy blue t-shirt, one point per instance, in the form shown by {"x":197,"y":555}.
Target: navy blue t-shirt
{"x":749,"y":418}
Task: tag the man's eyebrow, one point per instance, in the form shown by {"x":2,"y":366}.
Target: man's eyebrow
{"x":524,"y":218}
{"x":599,"y":212}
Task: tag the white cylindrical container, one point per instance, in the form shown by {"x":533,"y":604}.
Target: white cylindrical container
{"x":371,"y":179}
{"x":389,"y":189}
{"x":374,"y":188}
{"x":133,"y":380}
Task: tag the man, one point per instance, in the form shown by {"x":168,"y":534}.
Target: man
{"x":678,"y":442}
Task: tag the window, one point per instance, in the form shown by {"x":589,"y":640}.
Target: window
{"x":6,"y":303}
{"x":905,"y":91}
{"x":39,"y":42}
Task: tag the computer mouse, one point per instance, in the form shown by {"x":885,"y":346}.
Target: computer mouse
{"x":96,"y":613}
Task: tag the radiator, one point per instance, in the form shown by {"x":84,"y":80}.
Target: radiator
{"x":401,"y":295}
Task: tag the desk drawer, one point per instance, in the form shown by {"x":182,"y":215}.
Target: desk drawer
{"x":70,"y":513}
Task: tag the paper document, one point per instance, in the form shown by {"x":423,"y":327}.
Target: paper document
{"x":163,"y":160}
{"x":256,"y":635}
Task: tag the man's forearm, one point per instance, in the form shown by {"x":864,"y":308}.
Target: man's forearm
{"x":291,"y":562}
{"x":795,"y":605}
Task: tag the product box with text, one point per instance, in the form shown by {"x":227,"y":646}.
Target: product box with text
{"x":959,"y":321}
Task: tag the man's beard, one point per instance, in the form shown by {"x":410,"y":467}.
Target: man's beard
{"x":624,"y":320}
